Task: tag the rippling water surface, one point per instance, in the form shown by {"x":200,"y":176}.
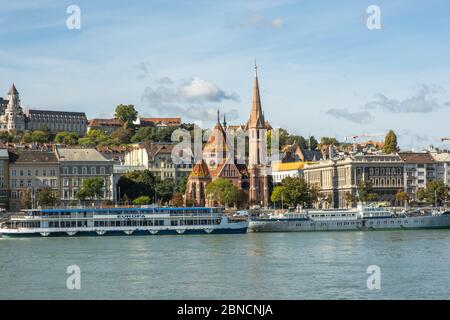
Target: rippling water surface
{"x":329,"y":265}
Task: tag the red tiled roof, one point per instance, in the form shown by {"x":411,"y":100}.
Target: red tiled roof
{"x":416,"y":157}
{"x":163,"y":121}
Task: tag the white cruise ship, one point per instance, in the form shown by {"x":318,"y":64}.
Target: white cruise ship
{"x":360,"y":218}
{"x":119,"y":221}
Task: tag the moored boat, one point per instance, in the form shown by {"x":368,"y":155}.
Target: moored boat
{"x":119,"y":221}
{"x":360,"y":218}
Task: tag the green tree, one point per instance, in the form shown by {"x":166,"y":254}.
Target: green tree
{"x":350,"y":199}
{"x":142,"y":200}
{"x":390,"y":143}
{"x":122,"y":135}
{"x":312,"y":143}
{"x":46,"y":197}
{"x":126,"y":114}
{"x":182,"y":184}
{"x":436,"y":192}
{"x":97,"y":138}
{"x":177,"y":200}
{"x":278,"y":194}
{"x":366,"y":192}
{"x":165,"y":190}
{"x":138,"y":183}
{"x":223,"y":192}
{"x":402,"y":197}
{"x":295,"y":191}
{"x":67,"y":138}
{"x":92,"y":188}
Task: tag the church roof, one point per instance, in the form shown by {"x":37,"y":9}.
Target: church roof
{"x":200,"y":170}
{"x":217,"y":141}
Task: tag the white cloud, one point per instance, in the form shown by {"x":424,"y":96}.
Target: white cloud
{"x":423,"y":101}
{"x":260,"y":21}
{"x":188,"y":99}
{"x":202,"y":90}
{"x":356,"y":117}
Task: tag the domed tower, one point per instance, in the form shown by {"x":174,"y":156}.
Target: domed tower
{"x":13,"y":119}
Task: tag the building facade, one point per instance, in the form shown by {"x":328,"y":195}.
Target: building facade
{"x":339,"y":178}
{"x":157,"y":158}
{"x":57,"y":121}
{"x":420,"y":168}
{"x":30,"y":171}
{"x":79,"y":164}
{"x":4,"y":178}
{"x":13,"y":118}
{"x":281,"y":170}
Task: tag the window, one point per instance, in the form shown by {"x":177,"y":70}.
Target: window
{"x":65,"y":182}
{"x":84,"y":170}
{"x":102,"y":170}
{"x":65,"y":170}
{"x":75,"y":182}
{"x":75,"y":170}
{"x":93,"y":171}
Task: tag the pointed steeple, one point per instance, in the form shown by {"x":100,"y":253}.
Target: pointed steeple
{"x":224,"y":122}
{"x":256,"y":115}
{"x":13,"y":90}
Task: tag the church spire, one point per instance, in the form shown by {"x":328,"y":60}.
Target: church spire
{"x":224,"y":122}
{"x":13,"y":90}
{"x":256,"y":114}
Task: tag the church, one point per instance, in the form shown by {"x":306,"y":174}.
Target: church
{"x":219,"y":159}
{"x":13,"y":118}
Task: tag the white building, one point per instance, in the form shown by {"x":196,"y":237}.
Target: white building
{"x":157,"y":158}
{"x":290,"y":169}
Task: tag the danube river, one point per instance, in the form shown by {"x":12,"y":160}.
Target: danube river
{"x":329,"y":265}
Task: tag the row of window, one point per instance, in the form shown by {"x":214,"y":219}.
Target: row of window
{"x":16,"y":183}
{"x":76,"y":182}
{"x":385,"y":171}
{"x":84,"y":170}
{"x":36,"y":172}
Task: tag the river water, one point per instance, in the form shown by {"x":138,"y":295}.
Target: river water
{"x":327,"y":265}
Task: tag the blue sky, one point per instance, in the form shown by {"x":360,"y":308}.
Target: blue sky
{"x":321,"y":71}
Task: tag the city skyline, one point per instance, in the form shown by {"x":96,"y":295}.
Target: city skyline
{"x":315,"y":62}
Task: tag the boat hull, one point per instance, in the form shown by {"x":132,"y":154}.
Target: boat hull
{"x":378,"y":224}
{"x":84,"y":233}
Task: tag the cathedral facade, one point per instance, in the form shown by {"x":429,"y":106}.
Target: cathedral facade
{"x":13,"y":118}
{"x":220,"y":159}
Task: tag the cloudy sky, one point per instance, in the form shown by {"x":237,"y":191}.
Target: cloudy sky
{"x":322,"y":71}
